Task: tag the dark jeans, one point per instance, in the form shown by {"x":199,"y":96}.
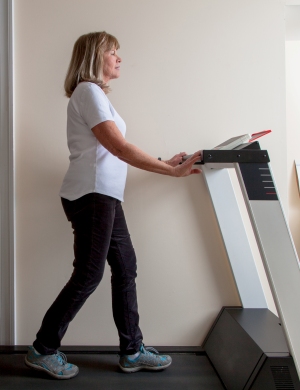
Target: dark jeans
{"x":100,"y":233}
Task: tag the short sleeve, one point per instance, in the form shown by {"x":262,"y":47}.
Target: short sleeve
{"x":94,"y":106}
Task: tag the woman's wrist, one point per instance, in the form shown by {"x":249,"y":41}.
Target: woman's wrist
{"x":171,"y":169}
{"x":164,"y":161}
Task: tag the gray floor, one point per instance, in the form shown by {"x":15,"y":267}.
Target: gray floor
{"x":100,"y":371}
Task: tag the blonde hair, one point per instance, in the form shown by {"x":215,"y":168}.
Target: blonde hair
{"x":87,"y":60}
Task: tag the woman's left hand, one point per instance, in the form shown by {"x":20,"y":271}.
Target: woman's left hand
{"x":176,"y":160}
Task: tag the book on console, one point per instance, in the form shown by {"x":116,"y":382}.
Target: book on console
{"x":234,"y":142}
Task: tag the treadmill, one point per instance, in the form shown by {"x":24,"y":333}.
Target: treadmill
{"x":249,"y":346}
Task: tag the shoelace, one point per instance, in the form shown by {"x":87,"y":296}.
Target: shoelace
{"x":150,"y":349}
{"x":61,"y":357}
{"x":147,"y":350}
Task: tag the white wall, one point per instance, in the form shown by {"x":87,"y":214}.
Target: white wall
{"x":194,"y":73}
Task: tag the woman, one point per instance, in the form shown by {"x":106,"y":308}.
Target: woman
{"x":91,"y":193}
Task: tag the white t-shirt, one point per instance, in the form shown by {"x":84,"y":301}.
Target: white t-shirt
{"x":92,"y":167}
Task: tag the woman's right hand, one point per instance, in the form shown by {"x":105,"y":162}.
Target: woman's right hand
{"x":186,"y":168}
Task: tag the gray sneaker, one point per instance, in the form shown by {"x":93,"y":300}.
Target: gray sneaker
{"x":148,"y":359}
{"x":55,"y":365}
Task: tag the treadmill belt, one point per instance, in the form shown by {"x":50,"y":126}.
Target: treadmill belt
{"x":100,"y":371}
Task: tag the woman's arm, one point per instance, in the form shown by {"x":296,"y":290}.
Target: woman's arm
{"x":110,"y":137}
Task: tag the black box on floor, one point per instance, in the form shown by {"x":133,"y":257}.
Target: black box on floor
{"x":247,"y":347}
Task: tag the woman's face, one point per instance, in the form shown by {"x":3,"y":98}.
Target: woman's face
{"x":111,"y":65}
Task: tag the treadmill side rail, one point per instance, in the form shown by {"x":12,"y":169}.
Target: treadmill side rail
{"x":278,"y":255}
{"x":235,"y":238}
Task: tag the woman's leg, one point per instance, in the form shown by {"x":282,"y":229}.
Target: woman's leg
{"x":122,"y":260}
{"x":92,"y":218}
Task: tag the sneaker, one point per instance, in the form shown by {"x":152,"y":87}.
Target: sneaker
{"x":148,"y":359}
{"x":55,"y":365}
